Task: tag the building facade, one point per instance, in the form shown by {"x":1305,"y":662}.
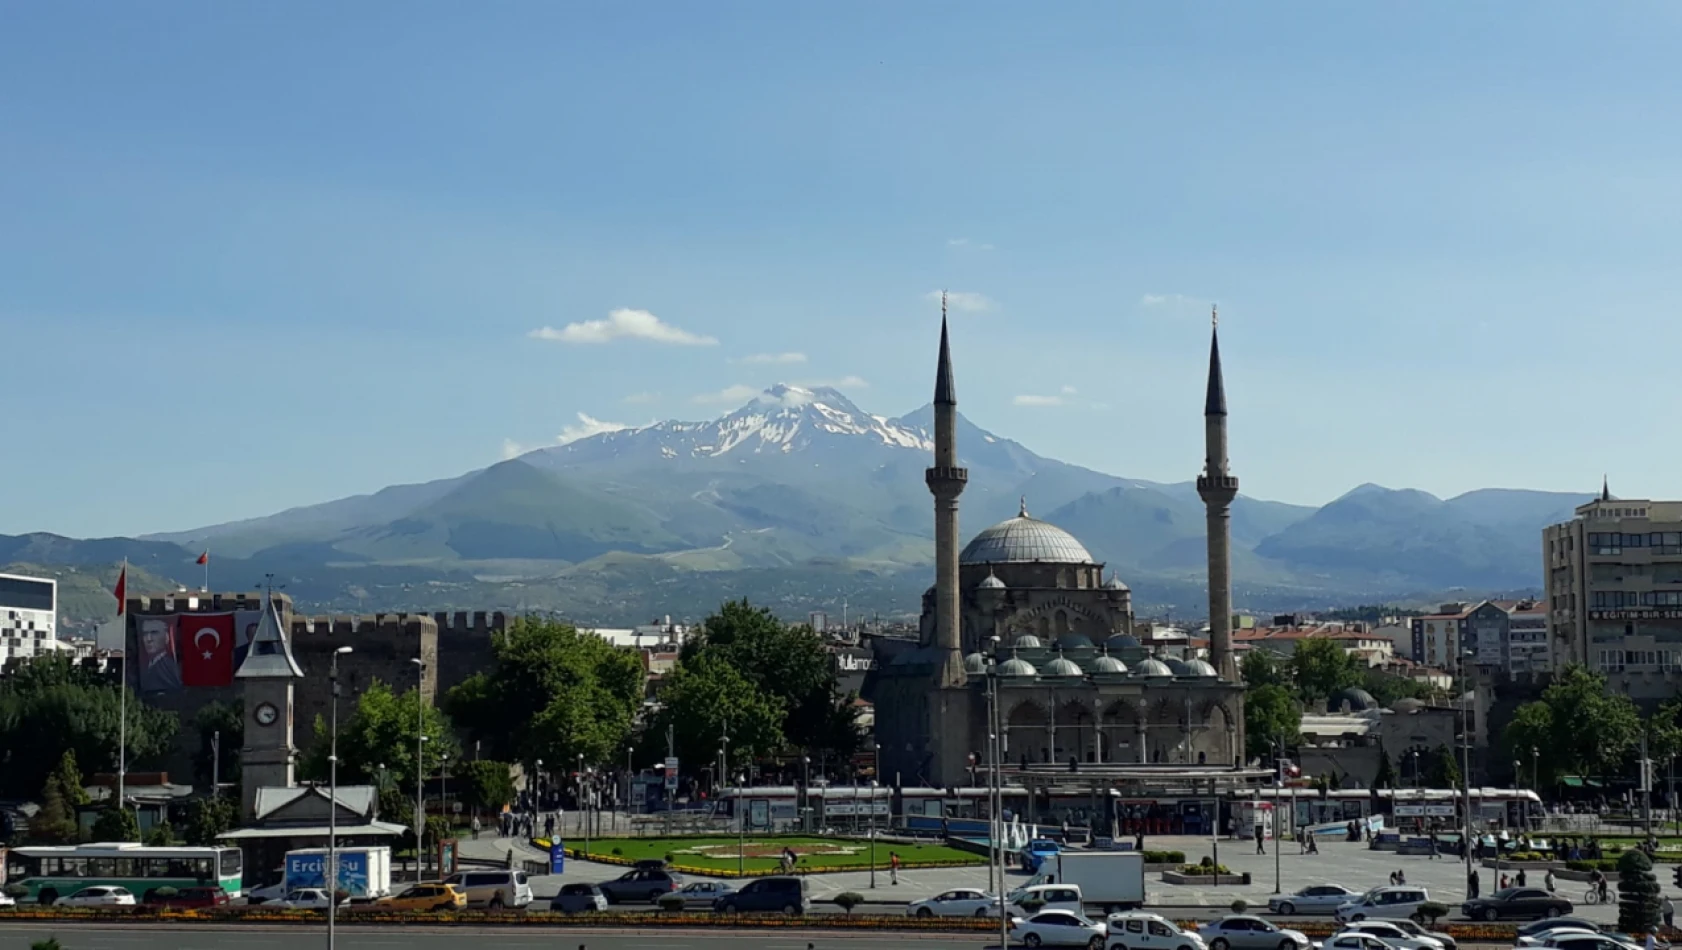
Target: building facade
{"x":1026,"y":607}
{"x":1437,"y":637}
{"x":28,"y":617}
{"x":1614,"y":592}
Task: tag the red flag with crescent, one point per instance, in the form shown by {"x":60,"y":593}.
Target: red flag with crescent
{"x":205,"y":644}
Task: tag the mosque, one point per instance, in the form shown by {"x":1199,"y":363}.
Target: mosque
{"x":1025,"y":607}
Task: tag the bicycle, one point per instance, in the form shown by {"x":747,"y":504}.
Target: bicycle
{"x":1592,"y":896}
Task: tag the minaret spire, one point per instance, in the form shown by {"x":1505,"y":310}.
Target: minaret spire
{"x":1214,"y":401}
{"x":1218,"y":488}
{"x":945,"y":394}
{"x":1605,"y":489}
{"x":946,"y":480}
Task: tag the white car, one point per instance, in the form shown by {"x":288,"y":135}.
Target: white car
{"x":1353,"y":941}
{"x":263,"y":895}
{"x":305,"y":898}
{"x":1392,"y":902}
{"x":1393,"y":933}
{"x":1057,"y":928}
{"x":1064,"y":897}
{"x":1139,"y":930}
{"x":963,"y":902}
{"x":6,"y":902}
{"x":1243,"y":932}
{"x":700,"y":895}
{"x":101,"y":896}
{"x":1313,"y":899}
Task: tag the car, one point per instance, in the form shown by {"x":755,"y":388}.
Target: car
{"x":1139,"y":930}
{"x":1393,"y":933}
{"x":1583,"y":940}
{"x":100,"y":896}
{"x":1407,"y":926}
{"x":1058,"y":928}
{"x":272,"y":891}
{"x":1352,"y":941}
{"x":6,"y":902}
{"x":963,"y":902}
{"x":1392,"y":902}
{"x":306,"y":898}
{"x":493,"y":889}
{"x":1313,"y":899}
{"x":187,"y":897}
{"x":1034,"y":853}
{"x":767,"y":895}
{"x":1537,"y":930}
{"x":649,"y":864}
{"x":1051,"y":897}
{"x":700,"y":895}
{"x":578,"y":899}
{"x":426,"y":896}
{"x":640,"y":886}
{"x":1522,"y":902}
{"x":1242,"y":932}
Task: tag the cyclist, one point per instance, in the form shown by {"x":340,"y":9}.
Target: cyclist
{"x":1598,"y":880}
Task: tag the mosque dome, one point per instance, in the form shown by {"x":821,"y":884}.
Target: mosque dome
{"x":1074,"y":641}
{"x":1177,"y":666}
{"x":1115,"y":583}
{"x":1153,"y":667}
{"x":1015,"y":666}
{"x":1027,"y":641}
{"x":1024,"y":540}
{"x":975,"y":664}
{"x":1407,"y":705}
{"x":1201,"y":668}
{"x":1353,"y":699}
{"x":1123,"y":641}
{"x":1108,"y":664}
{"x":1062,"y":666}
{"x":990,"y":582}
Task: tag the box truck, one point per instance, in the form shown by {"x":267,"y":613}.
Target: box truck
{"x":1110,"y":880}
{"x":364,"y":873}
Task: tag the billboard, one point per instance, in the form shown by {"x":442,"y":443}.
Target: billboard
{"x":190,"y":649}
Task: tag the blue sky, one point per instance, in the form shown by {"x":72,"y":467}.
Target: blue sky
{"x":262,"y":255}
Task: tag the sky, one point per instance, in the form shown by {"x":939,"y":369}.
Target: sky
{"x":254,"y":256}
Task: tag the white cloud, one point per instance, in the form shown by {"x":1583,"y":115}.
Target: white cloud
{"x":623,"y":324}
{"x":963,"y":301}
{"x":966,"y":242}
{"x":1175,"y":302}
{"x":641,"y":399}
{"x":1037,"y":401}
{"x":845,"y":382}
{"x":1068,"y":390}
{"x":778,"y":359}
{"x":587,"y":427}
{"x":728,"y":395}
{"x":513,"y":450}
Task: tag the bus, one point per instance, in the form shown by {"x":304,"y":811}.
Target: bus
{"x":52,"y":872}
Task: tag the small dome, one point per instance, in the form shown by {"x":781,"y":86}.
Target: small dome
{"x":1115,"y":583}
{"x":1015,"y":666}
{"x":1122,"y":641}
{"x":1153,"y":667}
{"x":1028,"y":641}
{"x":1074,"y":641}
{"x":1353,"y":699}
{"x":975,"y":664}
{"x":1062,"y":666}
{"x":1407,"y":705}
{"x":1202,"y":668}
{"x":1023,"y":540}
{"x":1108,"y":664}
{"x":1177,"y":666}
{"x":991,"y":582}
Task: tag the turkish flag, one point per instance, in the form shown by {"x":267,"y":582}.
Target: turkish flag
{"x":205,"y":644}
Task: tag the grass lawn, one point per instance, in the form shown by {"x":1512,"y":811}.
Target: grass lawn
{"x":761,"y":854}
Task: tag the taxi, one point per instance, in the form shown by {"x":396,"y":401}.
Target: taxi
{"x":425,"y":897}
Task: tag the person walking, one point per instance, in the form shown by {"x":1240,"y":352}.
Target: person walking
{"x":893,"y":867}
{"x":1669,"y":911}
{"x":475,"y":827}
{"x":1518,"y":879}
{"x":1261,"y":839}
{"x":1549,"y":880}
{"x":1434,"y":856}
{"x":1472,"y":884}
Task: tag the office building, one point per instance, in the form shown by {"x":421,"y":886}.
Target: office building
{"x":28,"y":617}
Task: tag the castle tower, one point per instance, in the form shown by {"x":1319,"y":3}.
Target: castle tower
{"x":266,"y":680}
{"x":1217,"y":488}
{"x":946,"y":482}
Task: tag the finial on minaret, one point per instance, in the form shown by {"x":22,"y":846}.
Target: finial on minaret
{"x":1214,"y":402}
{"x":1023,"y":511}
{"x":1605,"y":489}
{"x":945,"y":394}
{"x":1214,"y":315}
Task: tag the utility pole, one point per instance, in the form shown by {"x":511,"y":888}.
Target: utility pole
{"x":216,"y":763}
{"x":1646,"y":792}
{"x":1466,"y":778}
{"x":1278,"y":800}
{"x":671,"y":781}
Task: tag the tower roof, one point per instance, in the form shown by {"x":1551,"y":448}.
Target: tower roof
{"x":271,"y":652}
{"x":1214,"y":403}
{"x":945,"y":394}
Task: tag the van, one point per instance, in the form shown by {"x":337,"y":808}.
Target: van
{"x":493,"y":889}
{"x":767,"y":895}
{"x":1137,"y":930}
{"x":1394,"y":902}
{"x":1052,"y":897}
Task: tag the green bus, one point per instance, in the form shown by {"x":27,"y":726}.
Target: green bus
{"x":52,"y":872}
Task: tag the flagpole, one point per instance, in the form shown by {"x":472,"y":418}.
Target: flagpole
{"x":122,"y":709}
{"x":206,"y":588}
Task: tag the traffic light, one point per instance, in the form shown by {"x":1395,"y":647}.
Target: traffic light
{"x":1676,"y":874}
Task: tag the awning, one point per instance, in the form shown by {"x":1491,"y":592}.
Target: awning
{"x":372,"y":829}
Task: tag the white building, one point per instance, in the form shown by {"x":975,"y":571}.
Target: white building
{"x":28,"y":616}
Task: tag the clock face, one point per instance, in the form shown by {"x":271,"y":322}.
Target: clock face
{"x":267,"y":714}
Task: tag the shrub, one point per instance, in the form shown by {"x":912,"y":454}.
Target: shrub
{"x":671,"y":902}
{"x":1638,"y":894}
{"x":1204,"y":870}
{"x":1431,"y":911}
{"x":1030,"y":905}
{"x":1526,"y":856}
{"x":51,"y":943}
{"x":847,"y":900}
{"x":1239,"y":906}
{"x":618,"y":852}
{"x":1165,"y":857}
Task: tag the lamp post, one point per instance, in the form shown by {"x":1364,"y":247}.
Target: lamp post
{"x":444,"y":786}
{"x":537,"y":794}
{"x":806,"y":793}
{"x":420,"y":768}
{"x":1415,"y":755}
{"x":583,"y":804}
{"x":1536,"y":771}
{"x":1466,"y":778}
{"x":1278,"y":796}
{"x":333,"y":804}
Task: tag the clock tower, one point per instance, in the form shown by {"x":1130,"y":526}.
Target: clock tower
{"x":266,"y":681}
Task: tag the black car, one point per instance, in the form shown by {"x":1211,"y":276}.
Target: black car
{"x":1525,"y":902}
{"x":768,"y":895}
{"x":636,"y":886}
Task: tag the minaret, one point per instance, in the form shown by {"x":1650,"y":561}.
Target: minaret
{"x":946,"y":482}
{"x":1218,"y":489}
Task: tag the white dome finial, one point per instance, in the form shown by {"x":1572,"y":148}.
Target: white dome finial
{"x":1023,"y":511}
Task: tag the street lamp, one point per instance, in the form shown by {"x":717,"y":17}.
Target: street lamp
{"x":333,"y":805}
{"x":583,"y":805}
{"x":1466,"y":779}
{"x":420,"y":758}
{"x":806,"y":792}
{"x":537,"y":793}
{"x":1536,"y":770}
{"x":444,"y":785}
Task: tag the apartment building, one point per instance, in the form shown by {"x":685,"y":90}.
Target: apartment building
{"x":1437,"y":637}
{"x":1614,"y":592}
{"x":28,"y":616}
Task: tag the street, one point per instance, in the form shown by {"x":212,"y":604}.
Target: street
{"x":92,"y":937}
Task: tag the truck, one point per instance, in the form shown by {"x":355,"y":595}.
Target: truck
{"x":1110,"y":880}
{"x":364,"y":873}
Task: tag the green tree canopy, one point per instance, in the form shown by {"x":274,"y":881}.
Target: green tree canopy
{"x":61,"y":792}
{"x":116,"y":824}
{"x":1444,"y":770}
{"x":208,"y":818}
{"x":1270,"y":713}
{"x":50,"y":705}
{"x":1386,"y":777}
{"x":221,"y":728}
{"x":381,"y":731}
{"x":485,"y":785}
{"x":552,"y":693}
{"x":1577,"y":727}
{"x":1321,"y":668}
{"x":1261,"y":667}
{"x":1664,"y":730}
{"x":706,"y":698}
{"x":1639,"y":902}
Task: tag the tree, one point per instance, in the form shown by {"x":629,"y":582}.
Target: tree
{"x":1444,"y":770}
{"x":208,"y":818}
{"x":1386,"y":777}
{"x":1577,"y":728}
{"x":1388,"y":688}
{"x":1532,"y":728}
{"x":220,"y":726}
{"x":553,"y":693}
{"x":485,"y":785}
{"x":1262,"y":667}
{"x":161,"y":835}
{"x":116,"y":824}
{"x":706,"y":698}
{"x":1664,"y":730}
{"x":1321,"y":668}
{"x":1638,"y":894}
{"x":56,"y":821}
{"x":50,"y":705}
{"x":382,"y":731}
{"x":1271,"y":714}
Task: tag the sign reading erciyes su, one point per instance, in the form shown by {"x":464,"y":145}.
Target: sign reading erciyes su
{"x":310,"y":870}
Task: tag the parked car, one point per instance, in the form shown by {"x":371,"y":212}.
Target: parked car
{"x":187,"y":897}
{"x":1523,"y":902}
{"x":6,"y":903}
{"x":306,"y":898}
{"x":429,"y":896}
{"x":1403,"y":933}
{"x":1034,"y":853}
{"x":772,"y":895}
{"x":1393,"y":902}
{"x":1352,"y":941}
{"x":1138,"y":930}
{"x":1058,"y":928}
{"x":100,"y":896}
{"x":578,"y":899}
{"x":1537,"y":930}
{"x":649,"y":864}
{"x":1313,"y":899}
{"x":493,"y":889}
{"x":640,"y":886}
{"x":1242,"y":932}
{"x":1583,"y":940}
{"x":700,"y":895}
{"x":963,"y":902}
{"x":1051,"y":897}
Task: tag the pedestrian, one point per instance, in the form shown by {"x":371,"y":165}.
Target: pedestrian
{"x":1652,"y":942}
{"x":1261,"y":847}
{"x":893,"y":867}
{"x":1518,"y":879}
{"x":1401,"y":876}
{"x":475,"y":827}
{"x":1549,"y":880}
{"x":1669,"y":911}
{"x":1313,"y":845}
{"x":1433,"y":855}
{"x":1139,"y":840}
{"x":1505,"y":883}
{"x":1472,"y":884}
{"x":1302,"y":839}
{"x":1392,"y":878}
